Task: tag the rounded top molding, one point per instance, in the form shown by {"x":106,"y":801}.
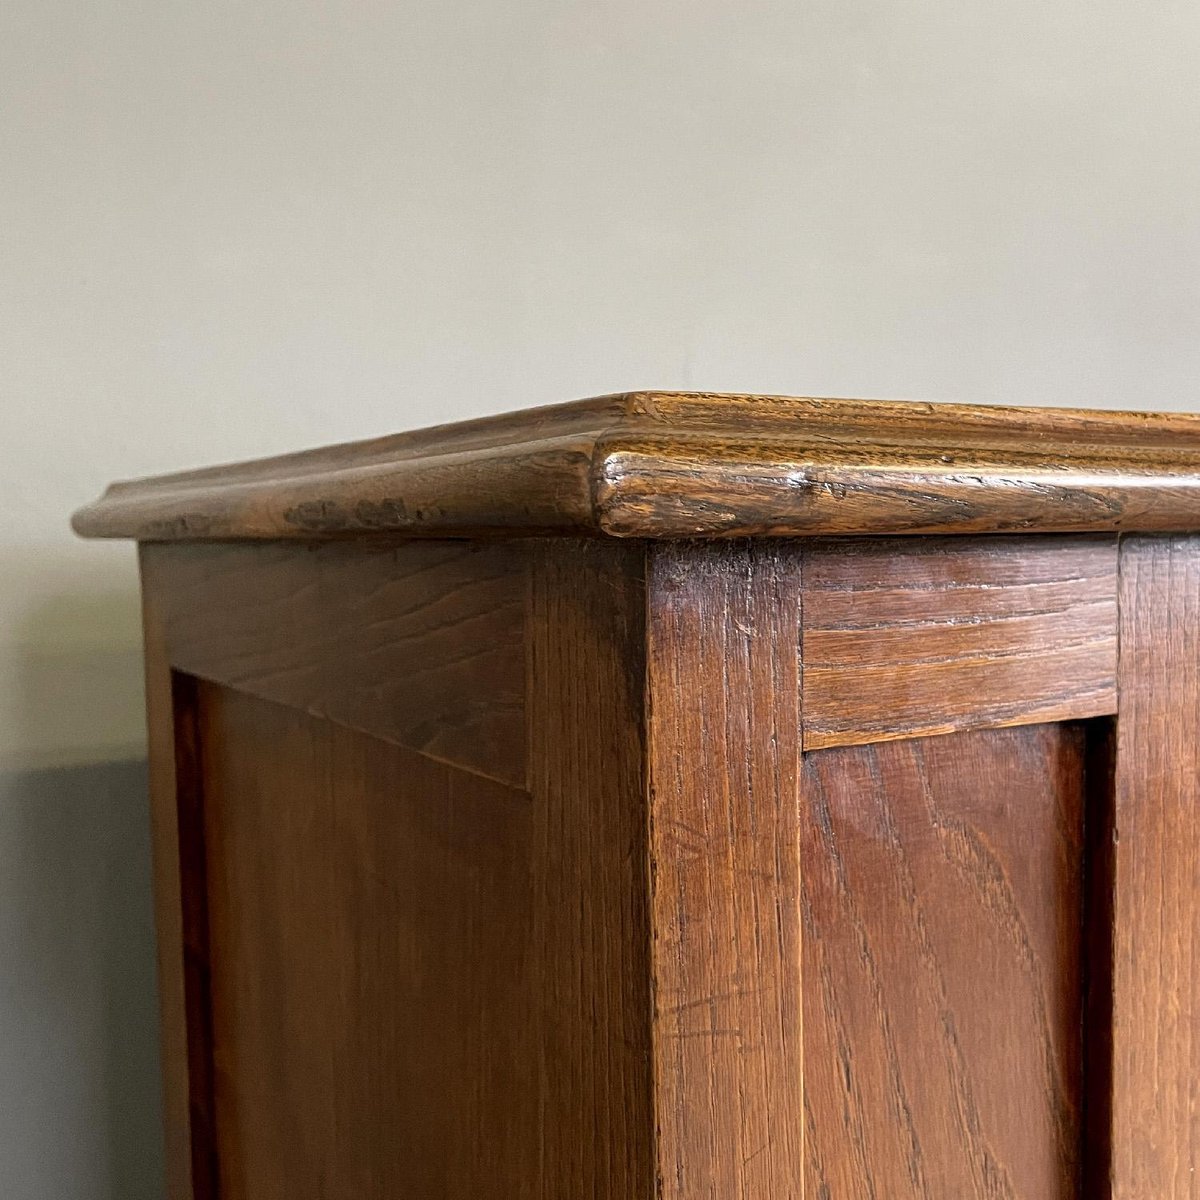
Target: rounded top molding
{"x":656,"y":464}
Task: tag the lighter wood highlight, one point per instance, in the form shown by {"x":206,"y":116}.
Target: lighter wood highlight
{"x":911,"y":638}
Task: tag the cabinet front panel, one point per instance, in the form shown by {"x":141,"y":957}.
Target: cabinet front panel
{"x":943,"y":907}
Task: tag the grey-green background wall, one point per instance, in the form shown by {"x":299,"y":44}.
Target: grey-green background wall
{"x":228,"y":229}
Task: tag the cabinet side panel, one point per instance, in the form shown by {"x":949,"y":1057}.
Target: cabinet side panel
{"x":1156,"y":902}
{"x":724,"y":749}
{"x":420,"y":979}
{"x":943,"y":905}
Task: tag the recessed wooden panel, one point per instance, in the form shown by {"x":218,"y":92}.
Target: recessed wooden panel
{"x":927,"y":635}
{"x":943,"y":901}
{"x":419,"y":644}
{"x":370,"y":921}
{"x":1155,"y":1099}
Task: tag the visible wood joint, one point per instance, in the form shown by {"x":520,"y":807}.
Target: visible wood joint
{"x":911,"y":637}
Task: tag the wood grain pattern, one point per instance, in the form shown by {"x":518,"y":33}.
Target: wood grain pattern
{"x":370,"y":920}
{"x":678,"y":465}
{"x":494,"y":868}
{"x":420,"y":644}
{"x":1156,"y":901}
{"x":907,"y":637}
{"x":415,"y":980}
{"x":942,"y":935}
{"x":591,"y":933}
{"x":723,"y":754}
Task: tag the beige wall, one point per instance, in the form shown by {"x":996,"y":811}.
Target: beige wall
{"x":229,"y":229}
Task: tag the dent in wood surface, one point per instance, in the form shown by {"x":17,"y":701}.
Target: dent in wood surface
{"x":1156,"y":877}
{"x":723,"y":756}
{"x":927,"y":635}
{"x":942,"y":966}
{"x":421,"y":644}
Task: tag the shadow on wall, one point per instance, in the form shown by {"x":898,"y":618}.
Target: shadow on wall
{"x":79,"y":1086}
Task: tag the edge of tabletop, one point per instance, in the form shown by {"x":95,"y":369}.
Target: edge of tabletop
{"x":694,"y":464}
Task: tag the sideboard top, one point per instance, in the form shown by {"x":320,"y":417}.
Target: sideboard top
{"x":682,"y":464}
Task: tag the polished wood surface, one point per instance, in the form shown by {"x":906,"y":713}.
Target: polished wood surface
{"x":723,"y":757}
{"x":905,"y":638}
{"x":591,"y":934}
{"x":1155,"y":1099}
{"x":678,"y":465}
{"x":376,"y":960}
{"x":943,"y":909}
{"x":657,"y":866}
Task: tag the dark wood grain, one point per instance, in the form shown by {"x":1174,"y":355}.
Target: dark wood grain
{"x":723,"y":756}
{"x":678,"y":465}
{"x":524,"y":471}
{"x":928,"y":635}
{"x":1156,"y":878}
{"x":942,"y":975}
{"x":421,"y":644}
{"x":619,"y":863}
{"x":591,"y":935}
{"x":385,"y":975}
{"x":370,"y":919}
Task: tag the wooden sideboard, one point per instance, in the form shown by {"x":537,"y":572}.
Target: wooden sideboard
{"x":681,"y":797}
